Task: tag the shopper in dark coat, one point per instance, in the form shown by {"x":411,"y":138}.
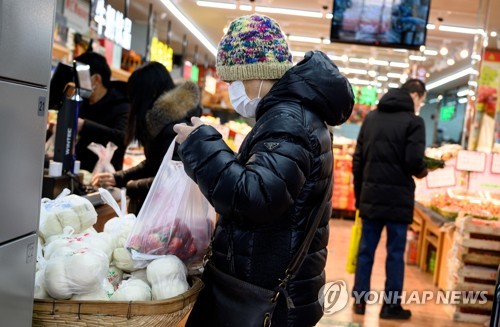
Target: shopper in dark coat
{"x":103,"y":117}
{"x":389,"y":152}
{"x":157,"y":105}
{"x":267,"y":195}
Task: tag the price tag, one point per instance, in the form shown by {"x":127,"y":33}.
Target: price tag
{"x":471,"y":161}
{"x":224,"y":130}
{"x":495,"y":163}
{"x":238,"y":139}
{"x":441,"y":178}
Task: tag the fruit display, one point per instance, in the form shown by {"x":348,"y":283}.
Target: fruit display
{"x":450,"y":205}
{"x":445,"y":152}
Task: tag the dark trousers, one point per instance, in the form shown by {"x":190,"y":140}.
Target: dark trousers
{"x":394,"y":264}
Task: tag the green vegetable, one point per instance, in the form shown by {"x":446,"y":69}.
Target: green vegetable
{"x":433,"y":164}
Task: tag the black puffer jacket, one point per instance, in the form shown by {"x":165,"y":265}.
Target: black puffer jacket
{"x":266,"y":195}
{"x":105,"y":121}
{"x":389,"y":151}
{"x":175,"y":106}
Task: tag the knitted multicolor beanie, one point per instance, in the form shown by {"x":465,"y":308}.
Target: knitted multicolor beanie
{"x":253,"y":48}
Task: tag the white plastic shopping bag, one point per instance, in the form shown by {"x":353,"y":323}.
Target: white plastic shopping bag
{"x":175,"y":218}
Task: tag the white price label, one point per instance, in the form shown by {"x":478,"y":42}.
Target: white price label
{"x":441,"y":178}
{"x":495,"y":163}
{"x":471,"y":161}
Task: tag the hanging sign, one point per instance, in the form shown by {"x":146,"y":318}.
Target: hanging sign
{"x":113,"y":25}
{"x":441,"y":178}
{"x":495,"y":163}
{"x":471,"y":161}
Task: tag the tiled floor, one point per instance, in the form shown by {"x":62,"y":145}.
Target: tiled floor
{"x":428,"y":315}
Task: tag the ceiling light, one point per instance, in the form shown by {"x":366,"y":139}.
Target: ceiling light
{"x":417,"y":58}
{"x":458,"y":29}
{"x":394,"y":75}
{"x":476,"y":56}
{"x":298,"y":53}
{"x":356,"y":71}
{"x":293,"y":12}
{"x":372,"y":73}
{"x":326,"y":41}
{"x":464,"y":53}
{"x":383,"y":78}
{"x":493,"y":34}
{"x":359,"y":81}
{"x":306,"y":39}
{"x":485,"y":43}
{"x":335,"y":58}
{"x":329,"y":16}
{"x":450,"y":78}
{"x":379,"y":91}
{"x":372,"y":61}
{"x":443,"y":51}
{"x":359,"y":60}
{"x":399,"y":64}
{"x":422,"y":48}
{"x":246,"y":7}
{"x":429,"y":52}
{"x":393,"y":85}
{"x":462,"y":100}
{"x":473,"y":98}
{"x":472,"y":83}
{"x":400,"y":50}
{"x":345,"y":58}
{"x":431,"y":26}
{"x":450,"y":61}
{"x":220,"y":5}
{"x":190,"y":26}
{"x":463,"y":93}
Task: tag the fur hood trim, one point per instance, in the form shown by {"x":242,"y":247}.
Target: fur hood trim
{"x":172,"y":106}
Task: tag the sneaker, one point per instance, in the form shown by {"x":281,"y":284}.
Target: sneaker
{"x":359,"y":308}
{"x":394,"y":311}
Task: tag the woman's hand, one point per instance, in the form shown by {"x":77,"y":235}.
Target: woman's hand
{"x":103,"y":180}
{"x":184,"y":130}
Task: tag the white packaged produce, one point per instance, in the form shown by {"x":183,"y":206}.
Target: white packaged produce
{"x":103,"y":293}
{"x":123,"y":260}
{"x":167,"y":277}
{"x":132,"y":290}
{"x":72,"y":210}
{"x":120,"y":226}
{"x":98,"y":241}
{"x":40,"y":292}
{"x":71,"y":272}
{"x":140,"y":274}
{"x":114,"y":276}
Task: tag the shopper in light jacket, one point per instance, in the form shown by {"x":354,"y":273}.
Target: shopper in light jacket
{"x":267,"y":194}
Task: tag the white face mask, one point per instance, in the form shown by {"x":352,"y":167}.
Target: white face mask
{"x":240,"y":101}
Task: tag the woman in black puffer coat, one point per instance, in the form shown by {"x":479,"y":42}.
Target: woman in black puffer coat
{"x":267,"y":194}
{"x":157,"y":105}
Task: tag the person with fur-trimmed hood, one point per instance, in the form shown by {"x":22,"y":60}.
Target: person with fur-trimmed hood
{"x":156,"y":106}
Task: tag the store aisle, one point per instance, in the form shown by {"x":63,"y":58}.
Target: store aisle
{"x":428,"y":315}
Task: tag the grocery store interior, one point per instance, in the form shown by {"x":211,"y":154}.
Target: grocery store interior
{"x":453,"y":244}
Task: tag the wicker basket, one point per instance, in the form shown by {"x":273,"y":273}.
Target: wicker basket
{"x":165,"y":313}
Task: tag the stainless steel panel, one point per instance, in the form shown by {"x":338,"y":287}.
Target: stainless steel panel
{"x":26,"y":40}
{"x":22,"y":139}
{"x":17,"y":280}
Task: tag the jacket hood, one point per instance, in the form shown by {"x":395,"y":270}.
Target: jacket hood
{"x":317,"y":84}
{"x":172,"y":106}
{"x":396,"y":100}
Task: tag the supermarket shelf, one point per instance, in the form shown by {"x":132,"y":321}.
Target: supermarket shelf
{"x":61,"y":53}
{"x":119,"y":74}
